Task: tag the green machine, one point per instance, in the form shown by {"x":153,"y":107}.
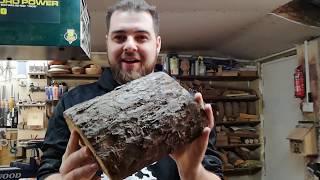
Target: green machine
{"x":44,"y":30}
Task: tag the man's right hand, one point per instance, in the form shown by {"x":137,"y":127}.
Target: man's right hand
{"x":77,"y":163}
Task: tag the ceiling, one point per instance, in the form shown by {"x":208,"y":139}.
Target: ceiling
{"x":240,"y":29}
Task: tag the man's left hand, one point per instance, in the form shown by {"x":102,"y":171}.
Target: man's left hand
{"x":189,"y":157}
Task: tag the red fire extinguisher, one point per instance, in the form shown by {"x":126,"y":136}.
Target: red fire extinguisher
{"x":299,"y":86}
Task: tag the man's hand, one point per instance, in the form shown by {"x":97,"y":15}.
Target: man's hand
{"x":189,"y":157}
{"x":77,"y":163}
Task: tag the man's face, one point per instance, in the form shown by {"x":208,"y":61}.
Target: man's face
{"x":132,"y":45}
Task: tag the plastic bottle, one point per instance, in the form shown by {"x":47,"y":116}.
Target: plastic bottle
{"x":197,"y":67}
{"x":192,"y":73}
{"x":202,"y":67}
{"x":55,"y":91}
{"x":174,"y":70}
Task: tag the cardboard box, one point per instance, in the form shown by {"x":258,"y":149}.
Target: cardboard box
{"x":303,"y":141}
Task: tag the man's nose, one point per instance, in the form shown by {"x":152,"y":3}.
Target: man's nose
{"x":130,"y":45}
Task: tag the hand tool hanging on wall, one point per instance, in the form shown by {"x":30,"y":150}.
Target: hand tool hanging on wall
{"x":13,"y":110}
{"x":3,"y":103}
{"x":7,"y":110}
{"x":1,"y":108}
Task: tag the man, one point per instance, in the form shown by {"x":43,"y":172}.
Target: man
{"x":133,"y":43}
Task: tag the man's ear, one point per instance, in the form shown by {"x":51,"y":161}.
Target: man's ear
{"x":158,"y":44}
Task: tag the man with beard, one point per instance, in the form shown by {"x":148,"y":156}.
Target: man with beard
{"x":133,"y":44}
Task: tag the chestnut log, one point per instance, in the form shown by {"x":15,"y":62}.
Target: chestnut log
{"x":138,"y":123}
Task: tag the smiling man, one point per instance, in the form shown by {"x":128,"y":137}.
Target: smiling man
{"x":133,"y":44}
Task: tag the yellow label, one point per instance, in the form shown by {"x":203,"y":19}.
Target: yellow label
{"x":3,"y":11}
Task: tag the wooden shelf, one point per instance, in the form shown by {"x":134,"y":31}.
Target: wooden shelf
{"x":216,"y":78}
{"x":52,"y":101}
{"x":241,"y":171}
{"x":239,"y":145}
{"x":31,"y":105}
{"x":37,"y":73}
{"x":243,"y":135}
{"x":224,"y":98}
{"x":8,"y":127}
{"x":73,"y":76}
{"x":238,"y":123}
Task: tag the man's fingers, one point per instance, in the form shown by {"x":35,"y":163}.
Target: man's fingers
{"x":76,"y":159}
{"x":198,"y":98}
{"x":84,"y":172}
{"x":209,"y":113}
{"x":204,"y":139}
{"x":200,"y":144}
{"x":73,"y":144}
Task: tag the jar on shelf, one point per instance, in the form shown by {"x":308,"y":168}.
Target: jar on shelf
{"x":174,"y":69}
{"x":197,"y":67}
{"x":185,"y":67}
{"x":202,"y":67}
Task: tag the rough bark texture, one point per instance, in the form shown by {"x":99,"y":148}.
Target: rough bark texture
{"x":138,"y":123}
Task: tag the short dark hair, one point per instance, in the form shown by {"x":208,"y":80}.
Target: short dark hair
{"x":138,"y":6}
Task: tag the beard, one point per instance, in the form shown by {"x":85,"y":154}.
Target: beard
{"x":123,"y":77}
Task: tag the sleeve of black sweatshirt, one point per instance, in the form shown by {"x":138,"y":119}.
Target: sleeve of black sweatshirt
{"x":55,"y":143}
{"x":212,"y":161}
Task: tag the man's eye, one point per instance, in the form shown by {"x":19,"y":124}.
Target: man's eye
{"x":141,"y":38}
{"x":119,"y":38}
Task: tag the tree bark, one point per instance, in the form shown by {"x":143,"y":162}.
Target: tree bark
{"x":138,"y":123}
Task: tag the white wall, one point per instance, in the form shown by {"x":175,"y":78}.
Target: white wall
{"x":281,"y":113}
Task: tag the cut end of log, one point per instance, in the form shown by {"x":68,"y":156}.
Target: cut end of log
{"x":73,"y":127}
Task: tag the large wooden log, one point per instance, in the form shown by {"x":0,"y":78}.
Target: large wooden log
{"x":138,"y":123}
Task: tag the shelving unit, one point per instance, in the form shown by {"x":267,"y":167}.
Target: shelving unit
{"x":237,"y":123}
{"x":241,"y":171}
{"x":239,"y":145}
{"x":66,"y":78}
{"x":226,"y":99}
{"x":37,"y":75}
{"x":252,"y":123}
{"x":31,"y":105}
{"x":216,"y":78}
{"x":72,"y":76}
{"x":52,"y":101}
{"x":246,"y":135}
